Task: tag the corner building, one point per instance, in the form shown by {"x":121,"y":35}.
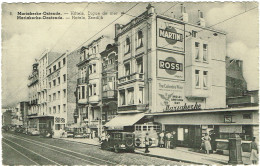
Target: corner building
{"x":170,"y":71}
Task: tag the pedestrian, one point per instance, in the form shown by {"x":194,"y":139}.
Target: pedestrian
{"x":172,"y":144}
{"x":254,"y":152}
{"x":146,"y":143}
{"x":161,"y":139}
{"x":213,"y":141}
{"x":207,"y":144}
{"x":168,"y":138}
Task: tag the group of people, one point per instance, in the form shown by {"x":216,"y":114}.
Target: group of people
{"x":166,"y":139}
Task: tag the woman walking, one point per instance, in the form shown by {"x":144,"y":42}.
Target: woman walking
{"x":207,"y":144}
{"x":254,"y":152}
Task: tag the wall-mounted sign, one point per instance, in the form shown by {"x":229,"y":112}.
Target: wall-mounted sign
{"x":227,"y":118}
{"x":170,"y":35}
{"x":171,"y":97}
{"x":170,"y":65}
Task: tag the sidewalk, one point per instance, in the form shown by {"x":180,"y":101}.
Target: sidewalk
{"x":178,"y":154}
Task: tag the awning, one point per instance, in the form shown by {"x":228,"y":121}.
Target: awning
{"x":124,"y":120}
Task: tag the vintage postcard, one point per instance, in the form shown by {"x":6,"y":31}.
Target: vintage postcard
{"x":133,"y":83}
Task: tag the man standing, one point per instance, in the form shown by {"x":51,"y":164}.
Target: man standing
{"x":146,"y":143}
{"x":161,"y":139}
{"x":168,"y":137}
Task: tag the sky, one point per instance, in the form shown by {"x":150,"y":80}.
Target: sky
{"x":24,"y":40}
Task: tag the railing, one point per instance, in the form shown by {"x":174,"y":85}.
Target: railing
{"x":82,"y":80}
{"x":134,"y":76}
{"x":109,"y":94}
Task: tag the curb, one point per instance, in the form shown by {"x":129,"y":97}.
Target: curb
{"x":169,"y":158}
{"x":77,"y":142}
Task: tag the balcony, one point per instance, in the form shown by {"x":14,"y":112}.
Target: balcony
{"x":83,"y":101}
{"x":94,"y":99}
{"x":109,"y":94}
{"x":82,"y":80}
{"x":131,"y":78}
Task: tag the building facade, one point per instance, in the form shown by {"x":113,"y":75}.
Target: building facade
{"x":173,"y":73}
{"x":89,"y":111}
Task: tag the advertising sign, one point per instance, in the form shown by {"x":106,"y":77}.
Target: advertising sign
{"x":170,"y":35}
{"x":171,"y":97}
{"x":170,"y":65}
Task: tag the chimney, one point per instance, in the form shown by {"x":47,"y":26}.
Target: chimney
{"x":201,"y":21}
{"x":150,"y":9}
{"x":117,"y":29}
{"x":184,"y":16}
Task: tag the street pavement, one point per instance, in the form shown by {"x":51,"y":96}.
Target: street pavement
{"x":20,"y":149}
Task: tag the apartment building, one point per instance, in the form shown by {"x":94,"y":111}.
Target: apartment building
{"x":173,"y":73}
{"x":61,"y":82}
{"x":89,"y":111}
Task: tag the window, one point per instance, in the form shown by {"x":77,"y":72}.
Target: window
{"x":194,"y":33}
{"x":49,"y":84}
{"x":64,"y":77}
{"x":83,"y":92}
{"x":90,"y":69}
{"x":90,"y":90}
{"x":49,"y":110}
{"x":141,"y":95}
{"x":197,"y":51}
{"x":59,"y":65}
{"x":139,"y":39}
{"x":94,"y":68}
{"x":54,"y":68}
{"x":58,"y":80}
{"x":130,"y":96}
{"x":54,"y":82}
{"x":94,"y":89}
{"x":58,"y":109}
{"x":197,"y":78}
{"x":127,"y":45}
{"x":50,"y":70}
{"x":122,"y":97}
{"x":93,"y":114}
{"x":64,"y":93}
{"x":64,"y":107}
{"x":205,"y":52}
{"x":64,"y":61}
{"x":79,"y":94}
{"x":54,"y":109}
{"x":49,"y":97}
{"x":54,"y":96}
{"x":127,"y":69}
{"x":140,"y":65}
{"x":205,"y":79}
{"x":58,"y":94}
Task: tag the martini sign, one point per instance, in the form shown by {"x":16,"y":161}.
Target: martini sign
{"x":170,"y":35}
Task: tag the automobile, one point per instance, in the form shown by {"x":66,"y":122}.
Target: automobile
{"x":47,"y":133}
{"x":119,"y":141}
{"x":80,"y":133}
{"x":33,"y":131}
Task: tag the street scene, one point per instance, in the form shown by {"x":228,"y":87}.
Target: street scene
{"x":130,"y":83}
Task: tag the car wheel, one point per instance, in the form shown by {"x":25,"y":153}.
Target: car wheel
{"x":116,"y":148}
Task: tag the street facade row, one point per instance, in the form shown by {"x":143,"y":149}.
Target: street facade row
{"x":158,"y":74}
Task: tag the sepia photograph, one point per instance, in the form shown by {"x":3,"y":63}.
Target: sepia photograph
{"x":130,"y":83}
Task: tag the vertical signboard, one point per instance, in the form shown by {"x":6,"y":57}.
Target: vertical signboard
{"x":170,"y":35}
{"x":170,"y":65}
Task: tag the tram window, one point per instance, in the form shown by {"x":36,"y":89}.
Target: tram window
{"x":144,"y":128}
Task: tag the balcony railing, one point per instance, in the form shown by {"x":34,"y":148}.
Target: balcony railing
{"x":134,"y":76}
{"x":109,"y":94}
{"x":82,"y":80}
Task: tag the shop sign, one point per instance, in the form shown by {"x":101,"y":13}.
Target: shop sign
{"x":116,"y":128}
{"x":170,"y":35}
{"x":170,"y":65}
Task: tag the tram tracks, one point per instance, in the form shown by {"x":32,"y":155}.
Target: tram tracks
{"x":66,"y":152}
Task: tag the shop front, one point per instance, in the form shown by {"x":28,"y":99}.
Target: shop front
{"x":190,"y":126}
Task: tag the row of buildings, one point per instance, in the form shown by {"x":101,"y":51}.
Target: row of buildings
{"x":157,"y":73}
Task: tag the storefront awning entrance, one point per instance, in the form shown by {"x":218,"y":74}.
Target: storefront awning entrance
{"x":124,"y":120}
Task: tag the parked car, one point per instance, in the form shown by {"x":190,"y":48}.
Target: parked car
{"x":80,"y":133}
{"x":33,"y":131}
{"x":47,"y":133}
{"x":118,"y":141}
